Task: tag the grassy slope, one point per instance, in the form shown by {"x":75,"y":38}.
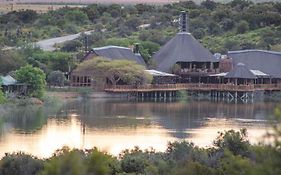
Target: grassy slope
{"x":253,"y":36}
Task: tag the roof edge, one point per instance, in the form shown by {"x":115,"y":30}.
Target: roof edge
{"x":181,"y":33}
{"x":110,"y":47}
{"x":254,"y":50}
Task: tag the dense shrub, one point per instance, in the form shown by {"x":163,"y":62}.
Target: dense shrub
{"x":20,"y":164}
{"x":231,"y":155}
{"x":34,"y":78}
{"x":56,"y":78}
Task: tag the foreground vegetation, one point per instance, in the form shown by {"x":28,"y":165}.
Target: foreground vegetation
{"x":231,"y":154}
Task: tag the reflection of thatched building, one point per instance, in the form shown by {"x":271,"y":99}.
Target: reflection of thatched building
{"x":176,"y":117}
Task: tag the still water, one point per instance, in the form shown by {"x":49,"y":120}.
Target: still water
{"x":115,"y":125}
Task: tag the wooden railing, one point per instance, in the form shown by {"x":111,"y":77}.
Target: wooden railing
{"x":191,"y":86}
{"x":268,"y":86}
{"x":80,"y":84}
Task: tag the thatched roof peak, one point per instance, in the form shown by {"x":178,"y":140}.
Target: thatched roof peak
{"x":181,"y":48}
{"x":241,"y":71}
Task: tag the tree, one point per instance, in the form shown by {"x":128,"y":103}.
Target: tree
{"x":235,"y":142}
{"x":150,"y":46}
{"x":240,"y":3}
{"x":55,"y":60}
{"x":277,"y":5}
{"x":235,"y":165}
{"x":20,"y":164}
{"x":227,"y":24}
{"x":56,"y":78}
{"x":65,"y":161}
{"x":115,"y":71}
{"x":101,"y":163}
{"x":242,"y":27}
{"x":133,"y":23}
{"x":209,"y":4}
{"x":10,"y":61}
{"x":34,"y":77}
{"x":214,"y":28}
{"x":76,"y":16}
{"x":231,"y":44}
{"x":199,"y":33}
{"x":71,"y":46}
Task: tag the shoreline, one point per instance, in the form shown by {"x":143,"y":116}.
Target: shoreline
{"x":72,"y":95}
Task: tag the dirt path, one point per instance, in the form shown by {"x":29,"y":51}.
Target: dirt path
{"x":49,"y":44}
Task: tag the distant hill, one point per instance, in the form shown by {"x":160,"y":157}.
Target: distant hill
{"x":115,"y":1}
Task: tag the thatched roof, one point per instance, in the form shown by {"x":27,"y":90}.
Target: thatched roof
{"x":241,"y":71}
{"x":182,"y":48}
{"x":268,"y":62}
{"x":116,"y":52}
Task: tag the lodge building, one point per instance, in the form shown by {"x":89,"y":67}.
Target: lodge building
{"x":84,"y":78}
{"x":183,"y":59}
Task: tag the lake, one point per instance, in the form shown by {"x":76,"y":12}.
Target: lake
{"x":114,"y":125}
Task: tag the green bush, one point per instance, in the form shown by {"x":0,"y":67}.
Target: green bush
{"x":65,"y":161}
{"x":20,"y":164}
{"x":242,"y":27}
{"x":236,"y":142}
{"x":2,"y":96}
{"x":34,"y":78}
{"x":56,"y":78}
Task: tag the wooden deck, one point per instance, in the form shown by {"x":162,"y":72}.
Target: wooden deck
{"x":193,"y":87}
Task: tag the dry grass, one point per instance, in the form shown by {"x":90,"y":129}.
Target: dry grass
{"x":40,"y":8}
{"x":276,"y":47}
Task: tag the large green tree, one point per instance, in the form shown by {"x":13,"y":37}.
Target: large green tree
{"x":115,"y":71}
{"x":34,"y":77}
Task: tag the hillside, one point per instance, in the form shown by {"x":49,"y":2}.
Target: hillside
{"x":219,"y":27}
{"x":116,"y":1}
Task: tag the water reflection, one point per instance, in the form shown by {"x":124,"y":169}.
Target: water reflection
{"x":114,"y":125}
